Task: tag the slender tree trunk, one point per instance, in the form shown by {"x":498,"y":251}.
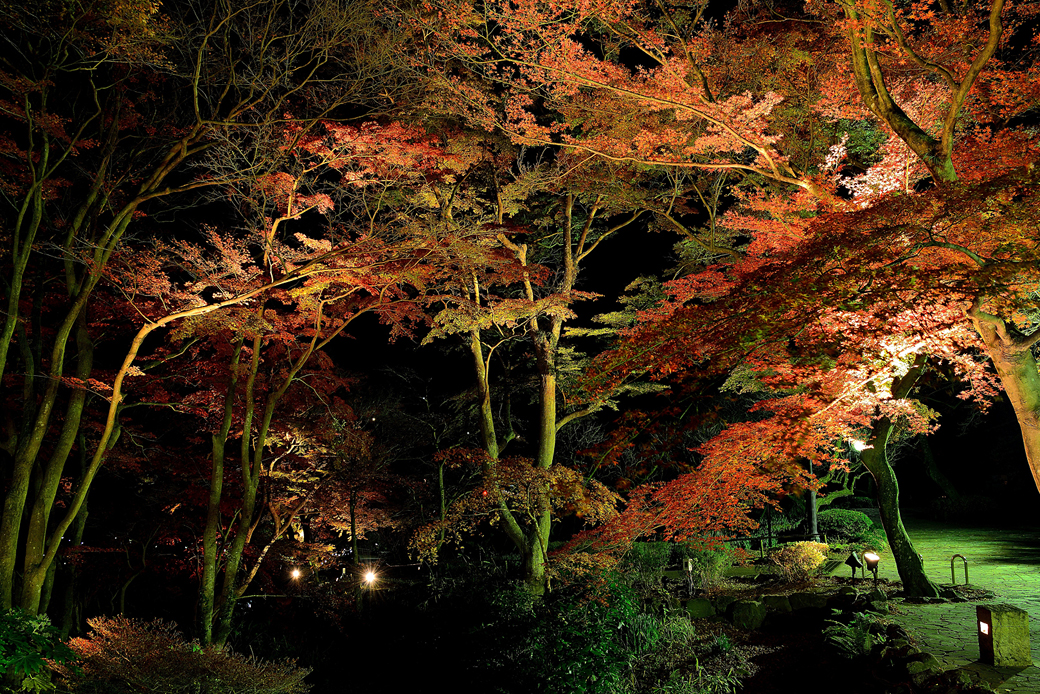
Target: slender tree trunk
{"x":353,"y":528}
{"x":250,"y":480}
{"x":538,"y":538}
{"x":43,"y":500}
{"x":70,"y":610}
{"x":489,"y":437}
{"x":207,"y":591}
{"x":875,"y":459}
{"x":934,"y":473}
{"x":814,"y":531}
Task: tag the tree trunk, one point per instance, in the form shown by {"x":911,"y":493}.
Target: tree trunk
{"x":36,"y":536}
{"x":71,"y":613}
{"x":353,"y":529}
{"x":934,"y":473}
{"x":1013,"y":359}
{"x":207,"y":591}
{"x":875,"y":459}
{"x":814,"y":531}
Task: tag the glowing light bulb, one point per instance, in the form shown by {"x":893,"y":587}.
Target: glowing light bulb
{"x":295,"y":573}
{"x":370,"y":577}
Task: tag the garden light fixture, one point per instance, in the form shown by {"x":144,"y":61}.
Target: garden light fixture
{"x":295,"y":573}
{"x":872,"y":560}
{"x":370,"y":577}
{"x":855,"y":563}
{"x":1003,"y":636}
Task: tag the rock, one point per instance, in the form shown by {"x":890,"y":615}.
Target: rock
{"x":747,"y":614}
{"x":777,"y":603}
{"x":723,"y":602}
{"x":897,"y":649}
{"x":895,"y":631}
{"x":801,"y":601}
{"x":922,"y":664}
{"x":843,"y":601}
{"x":961,"y":679}
{"x":700,"y":608}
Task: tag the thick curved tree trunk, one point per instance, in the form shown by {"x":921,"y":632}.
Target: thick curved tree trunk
{"x":1012,"y":356}
{"x":908,"y":561}
{"x":875,"y":459}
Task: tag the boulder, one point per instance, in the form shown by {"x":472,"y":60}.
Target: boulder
{"x":747,"y":614}
{"x":777,"y":603}
{"x":722,"y":603}
{"x":801,"y":601}
{"x":700,"y":608}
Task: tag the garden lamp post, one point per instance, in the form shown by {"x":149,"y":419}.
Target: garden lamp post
{"x":872,"y":560}
{"x":855,"y":563}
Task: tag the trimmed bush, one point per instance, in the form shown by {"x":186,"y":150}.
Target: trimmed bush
{"x":843,"y":525}
{"x":799,"y":561}
{"x":128,"y":655}
{"x":853,"y":502}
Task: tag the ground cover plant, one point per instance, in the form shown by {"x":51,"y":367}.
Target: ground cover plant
{"x":28,"y":643}
{"x":126,"y":655}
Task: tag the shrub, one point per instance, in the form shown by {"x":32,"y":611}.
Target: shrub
{"x":581,"y":639}
{"x":874,"y":539}
{"x":709,"y":562}
{"x":855,"y":639}
{"x":852,"y":502}
{"x":843,"y":525}
{"x":648,"y":559}
{"x":25,"y":642}
{"x":128,"y":655}
{"x":701,"y":681}
{"x":969,"y":507}
{"x":799,"y":561}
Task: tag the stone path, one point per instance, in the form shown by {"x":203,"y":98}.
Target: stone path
{"x":1005,"y":562}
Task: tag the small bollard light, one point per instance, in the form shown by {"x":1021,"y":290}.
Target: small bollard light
{"x":295,"y":573}
{"x":1003,"y":636}
{"x":872,"y":560}
{"x":855,"y":563}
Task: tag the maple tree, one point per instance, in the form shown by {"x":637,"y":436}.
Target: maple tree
{"x":492,"y":312}
{"x":765,"y":96}
{"x":303,"y":292}
{"x":106,"y":106}
{"x":854,"y":184}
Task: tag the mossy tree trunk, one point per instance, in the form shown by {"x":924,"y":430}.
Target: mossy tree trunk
{"x":875,"y":459}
